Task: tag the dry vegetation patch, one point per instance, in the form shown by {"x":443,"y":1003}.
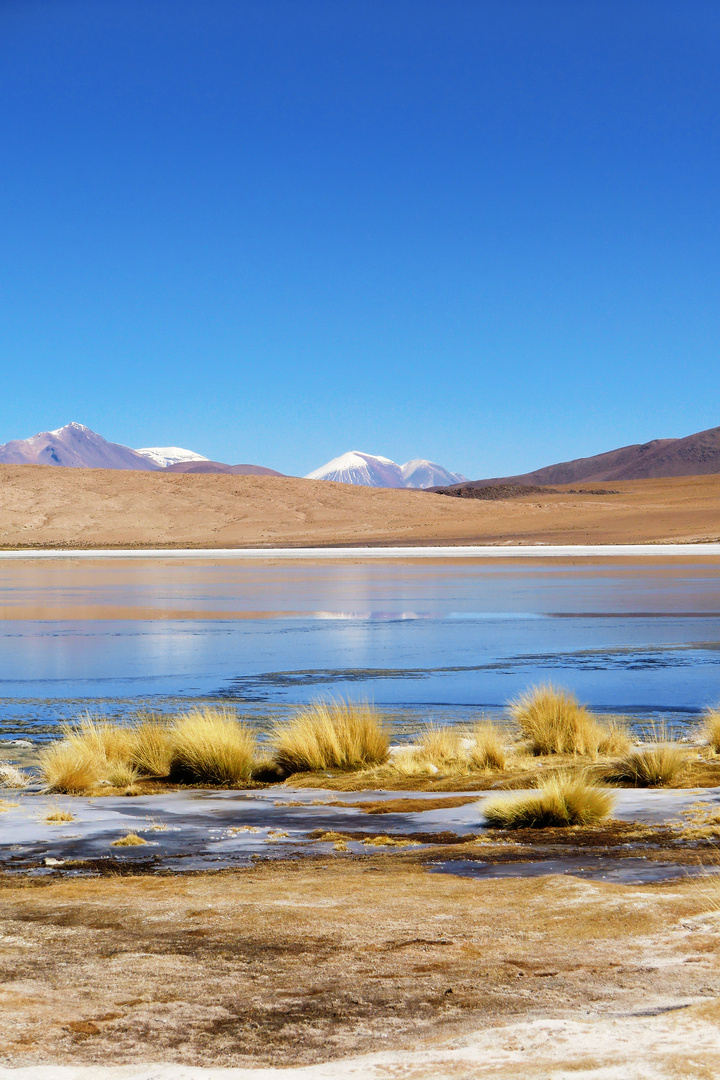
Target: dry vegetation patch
{"x":331,"y":735}
{"x":561,"y":800}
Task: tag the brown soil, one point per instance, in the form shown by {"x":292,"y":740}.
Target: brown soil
{"x":44,"y":506}
{"x":296,"y":963}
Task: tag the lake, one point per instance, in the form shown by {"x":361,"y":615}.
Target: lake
{"x":429,"y":639}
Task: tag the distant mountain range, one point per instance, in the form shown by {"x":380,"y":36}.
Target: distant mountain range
{"x":77,"y":447}
{"x":371,"y":470}
{"x":694,"y":455}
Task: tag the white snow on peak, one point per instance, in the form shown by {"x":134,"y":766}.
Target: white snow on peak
{"x":72,"y":426}
{"x":371,"y":470}
{"x":355,"y":467}
{"x":421,"y":473}
{"x":169,"y":455}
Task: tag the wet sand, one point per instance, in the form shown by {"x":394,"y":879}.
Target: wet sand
{"x":42,"y":506}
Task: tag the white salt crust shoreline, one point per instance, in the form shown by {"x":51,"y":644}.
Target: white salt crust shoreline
{"x":513,"y":551}
{"x":671,"y":1045}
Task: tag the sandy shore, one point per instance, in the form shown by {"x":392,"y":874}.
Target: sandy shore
{"x":45,"y":507}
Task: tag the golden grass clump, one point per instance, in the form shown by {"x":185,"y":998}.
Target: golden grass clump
{"x":121,"y":775}
{"x":69,"y":767}
{"x":661,"y":765}
{"x":101,"y":739}
{"x":486,"y":748}
{"x":151,"y":745}
{"x":131,"y":840}
{"x":614,"y":737}
{"x":331,"y":735}
{"x":562,"y":800}
{"x":211,"y":746}
{"x":12,"y":777}
{"x":553,"y":722}
{"x":711,"y":728}
{"x":58,"y":814}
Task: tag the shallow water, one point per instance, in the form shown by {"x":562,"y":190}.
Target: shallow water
{"x":202,"y":829}
{"x":434,"y":639}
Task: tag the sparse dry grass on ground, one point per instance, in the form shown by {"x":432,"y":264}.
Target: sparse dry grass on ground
{"x":561,"y":800}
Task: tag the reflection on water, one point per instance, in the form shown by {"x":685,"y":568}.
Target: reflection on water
{"x":430,"y":639}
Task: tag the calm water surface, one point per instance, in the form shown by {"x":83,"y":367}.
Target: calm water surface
{"x":431,"y":640}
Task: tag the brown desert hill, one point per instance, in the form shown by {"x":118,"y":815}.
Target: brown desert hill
{"x":695,"y":455}
{"x":42,"y":506}
{"x":221,"y":467}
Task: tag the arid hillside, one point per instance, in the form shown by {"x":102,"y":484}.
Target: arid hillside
{"x":43,"y":506}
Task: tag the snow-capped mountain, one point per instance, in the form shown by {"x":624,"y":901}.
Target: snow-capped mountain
{"x":370,"y":470}
{"x":169,"y":455}
{"x":76,"y":447}
{"x":355,"y":467}
{"x":426,"y":474}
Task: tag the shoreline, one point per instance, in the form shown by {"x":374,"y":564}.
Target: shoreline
{"x":486,"y":551}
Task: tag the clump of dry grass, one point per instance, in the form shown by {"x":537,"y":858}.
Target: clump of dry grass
{"x":101,"y":739}
{"x":614,"y":737}
{"x":57,"y":814}
{"x":151,"y":745}
{"x":486,"y":748}
{"x":711,"y":728}
{"x":661,"y":765}
{"x":331,"y":735}
{"x":553,"y":722}
{"x":121,"y":775}
{"x":131,"y":840}
{"x":12,"y":777}
{"x":561,"y":800}
{"x":69,"y":767}
{"x":210,"y":746}
{"x":389,"y":841}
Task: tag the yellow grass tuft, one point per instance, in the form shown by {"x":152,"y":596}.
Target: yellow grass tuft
{"x":57,"y":814}
{"x":389,"y":841}
{"x":120,"y":774}
{"x":100,"y":739}
{"x":331,"y":735}
{"x":11,"y":777}
{"x":151,"y":746}
{"x":210,"y":746}
{"x":614,"y":737}
{"x":69,"y":768}
{"x":562,"y":800}
{"x":651,"y":766}
{"x":487,"y":747}
{"x":131,"y":840}
{"x":711,"y":728}
{"x":552,"y":722}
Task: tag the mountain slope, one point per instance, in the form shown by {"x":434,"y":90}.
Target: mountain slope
{"x":694,"y":455}
{"x":74,"y":446}
{"x":206,"y":466}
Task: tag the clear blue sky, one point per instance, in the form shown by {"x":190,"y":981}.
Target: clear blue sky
{"x":481,"y":232}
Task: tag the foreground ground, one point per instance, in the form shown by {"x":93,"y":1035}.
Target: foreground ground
{"x":290,"y":964}
{"x":43,"y":506}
